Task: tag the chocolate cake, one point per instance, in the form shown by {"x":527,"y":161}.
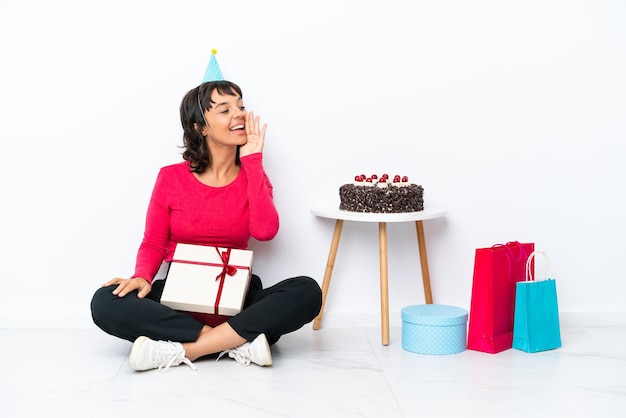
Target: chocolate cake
{"x":378,"y":195}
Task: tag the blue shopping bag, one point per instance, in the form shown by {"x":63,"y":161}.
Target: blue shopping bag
{"x":536,"y":321}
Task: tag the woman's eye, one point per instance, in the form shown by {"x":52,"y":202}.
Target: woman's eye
{"x":242,"y":108}
{"x":224,"y":111}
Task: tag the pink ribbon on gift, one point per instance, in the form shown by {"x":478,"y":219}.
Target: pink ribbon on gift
{"x":227,"y":269}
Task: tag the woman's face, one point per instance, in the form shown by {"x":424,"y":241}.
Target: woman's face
{"x":226,"y":120}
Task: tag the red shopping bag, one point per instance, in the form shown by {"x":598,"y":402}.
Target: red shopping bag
{"x":492,"y":308}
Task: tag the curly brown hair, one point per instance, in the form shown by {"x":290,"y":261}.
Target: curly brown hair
{"x":192,"y":108}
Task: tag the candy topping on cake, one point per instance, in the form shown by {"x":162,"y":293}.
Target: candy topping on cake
{"x":382,"y":181}
{"x":378,"y":193}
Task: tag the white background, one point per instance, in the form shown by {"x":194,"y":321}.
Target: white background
{"x":512,"y":115}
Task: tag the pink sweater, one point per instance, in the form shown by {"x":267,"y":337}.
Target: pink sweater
{"x":182,"y":209}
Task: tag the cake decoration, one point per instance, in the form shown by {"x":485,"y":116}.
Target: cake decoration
{"x":376,"y":194}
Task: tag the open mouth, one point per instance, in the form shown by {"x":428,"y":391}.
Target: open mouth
{"x":237,"y":128}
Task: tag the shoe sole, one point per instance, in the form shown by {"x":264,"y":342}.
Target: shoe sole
{"x":132,"y":359}
{"x":267,"y":357}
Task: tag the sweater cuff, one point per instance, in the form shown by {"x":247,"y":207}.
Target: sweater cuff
{"x":142,"y":276}
{"x":257,"y":157}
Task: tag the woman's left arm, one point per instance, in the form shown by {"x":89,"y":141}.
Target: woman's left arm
{"x":263,"y":214}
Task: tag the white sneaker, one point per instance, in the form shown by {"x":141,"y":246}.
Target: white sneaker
{"x":149,"y":354}
{"x":257,"y":352}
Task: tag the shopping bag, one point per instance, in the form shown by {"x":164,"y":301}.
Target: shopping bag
{"x":492,"y":308}
{"x":536,"y":323}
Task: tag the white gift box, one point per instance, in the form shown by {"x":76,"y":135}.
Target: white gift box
{"x":207,"y":279}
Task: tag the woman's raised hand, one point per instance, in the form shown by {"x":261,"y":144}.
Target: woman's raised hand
{"x":255,"y":135}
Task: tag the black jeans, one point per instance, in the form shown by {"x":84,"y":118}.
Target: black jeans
{"x":275,"y":311}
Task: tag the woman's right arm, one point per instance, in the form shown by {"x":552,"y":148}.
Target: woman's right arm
{"x":156,"y":233}
{"x":153,"y":246}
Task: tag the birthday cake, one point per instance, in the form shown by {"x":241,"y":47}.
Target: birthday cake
{"x":375,"y":194}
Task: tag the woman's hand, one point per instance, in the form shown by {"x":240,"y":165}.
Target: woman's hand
{"x":125,"y":286}
{"x":255,"y":135}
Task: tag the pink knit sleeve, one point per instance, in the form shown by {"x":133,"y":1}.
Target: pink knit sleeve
{"x":264,"y":220}
{"x":156,"y":234}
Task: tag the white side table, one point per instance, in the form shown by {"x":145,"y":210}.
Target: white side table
{"x":382,"y":218}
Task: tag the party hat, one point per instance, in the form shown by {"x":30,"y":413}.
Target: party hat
{"x":213,"y":72}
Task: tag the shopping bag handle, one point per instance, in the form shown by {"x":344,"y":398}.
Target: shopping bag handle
{"x":529,"y":275}
{"x":508,"y":246}
{"x":510,"y":254}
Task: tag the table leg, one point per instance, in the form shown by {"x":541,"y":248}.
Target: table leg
{"x":421,"y":242}
{"x":384,"y":288}
{"x":334,"y":244}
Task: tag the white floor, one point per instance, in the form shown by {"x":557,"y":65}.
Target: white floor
{"x":333,"y":372}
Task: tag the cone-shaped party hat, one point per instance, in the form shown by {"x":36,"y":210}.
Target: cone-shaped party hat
{"x":213,"y":72}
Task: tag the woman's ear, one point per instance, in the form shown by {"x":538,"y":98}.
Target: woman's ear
{"x":197,"y":128}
